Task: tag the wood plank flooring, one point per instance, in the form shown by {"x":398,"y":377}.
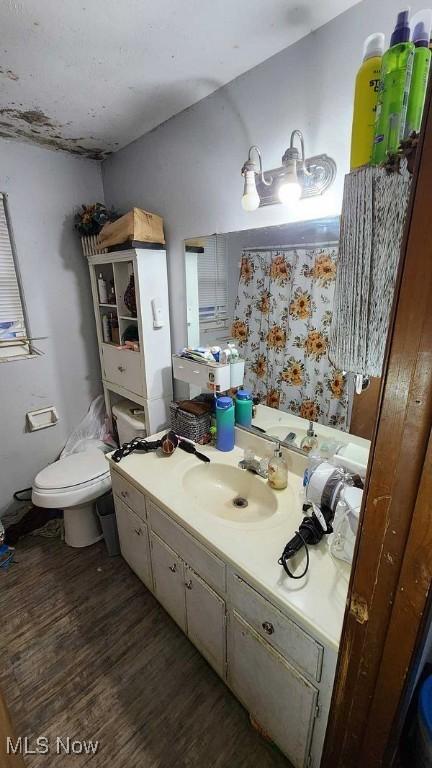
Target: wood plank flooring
{"x":87,"y":652}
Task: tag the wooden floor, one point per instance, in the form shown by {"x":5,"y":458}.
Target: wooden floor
{"x":87,"y":652}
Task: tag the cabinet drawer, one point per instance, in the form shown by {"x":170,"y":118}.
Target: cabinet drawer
{"x":210,"y":567}
{"x":128,"y":493}
{"x":277,"y":629}
{"x":123,"y":367}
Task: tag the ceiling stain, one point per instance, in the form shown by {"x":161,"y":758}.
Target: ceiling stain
{"x":35,"y":126}
{"x":9,"y":74}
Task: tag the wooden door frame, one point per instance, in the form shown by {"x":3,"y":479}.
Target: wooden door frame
{"x":392,"y":568}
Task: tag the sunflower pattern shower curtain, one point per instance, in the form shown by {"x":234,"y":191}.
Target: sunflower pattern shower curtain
{"x":281,"y":324}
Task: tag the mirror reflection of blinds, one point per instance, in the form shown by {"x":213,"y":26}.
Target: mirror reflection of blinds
{"x":212,"y":281}
{"x":11,"y":310}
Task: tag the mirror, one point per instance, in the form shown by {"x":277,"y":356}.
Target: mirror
{"x":270,"y":290}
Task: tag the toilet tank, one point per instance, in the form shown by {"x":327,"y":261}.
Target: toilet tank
{"x":130,"y":420}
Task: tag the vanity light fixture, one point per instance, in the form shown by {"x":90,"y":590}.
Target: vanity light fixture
{"x":297,"y":177}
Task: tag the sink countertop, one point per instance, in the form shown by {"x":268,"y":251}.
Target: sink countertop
{"x":316,"y":602}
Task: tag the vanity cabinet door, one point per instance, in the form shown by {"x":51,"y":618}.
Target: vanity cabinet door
{"x":281,"y":700}
{"x":168,"y":579}
{"x":205,"y":612}
{"x":134,"y":542}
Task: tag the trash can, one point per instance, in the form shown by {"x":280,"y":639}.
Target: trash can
{"x":107,"y":517}
{"x":423,"y":735}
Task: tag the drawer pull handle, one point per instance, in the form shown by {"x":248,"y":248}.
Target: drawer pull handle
{"x":124,"y":494}
{"x":268,"y":627}
{"x":121,"y":368}
{"x":188,"y":584}
{"x":173,"y":568}
{"x":138,"y":531}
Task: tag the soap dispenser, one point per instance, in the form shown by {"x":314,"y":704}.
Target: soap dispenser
{"x":309,"y":441}
{"x":277,"y":470}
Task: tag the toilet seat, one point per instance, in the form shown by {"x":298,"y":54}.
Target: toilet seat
{"x":74,"y":480}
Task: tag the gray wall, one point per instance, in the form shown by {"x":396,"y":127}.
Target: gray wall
{"x":188,"y":169}
{"x":44,"y":188}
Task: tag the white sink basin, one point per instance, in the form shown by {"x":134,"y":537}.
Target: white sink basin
{"x":230,"y":493}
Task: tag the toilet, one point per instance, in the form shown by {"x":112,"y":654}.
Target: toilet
{"x":73,"y":484}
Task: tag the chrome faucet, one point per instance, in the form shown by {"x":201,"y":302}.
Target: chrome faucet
{"x":257,"y":466}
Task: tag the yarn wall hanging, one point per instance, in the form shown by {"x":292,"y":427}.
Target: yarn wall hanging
{"x":373,"y":215}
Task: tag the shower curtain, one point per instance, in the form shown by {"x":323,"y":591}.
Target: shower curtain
{"x":281,"y":324}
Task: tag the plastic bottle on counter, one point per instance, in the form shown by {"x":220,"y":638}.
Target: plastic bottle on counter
{"x":277,"y":470}
{"x":421,"y":25}
{"x":243,"y":408}
{"x":309,"y":442}
{"x":225,"y":356}
{"x":234,"y":353}
{"x":314,"y":459}
{"x":365,"y":101}
{"x":225,"y":422}
{"x":396,"y":70}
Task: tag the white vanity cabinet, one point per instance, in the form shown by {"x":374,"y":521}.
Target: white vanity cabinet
{"x":192,"y":603}
{"x":276,"y":668}
{"x":134,"y":541}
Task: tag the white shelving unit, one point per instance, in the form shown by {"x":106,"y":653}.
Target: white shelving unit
{"x":143,"y":376}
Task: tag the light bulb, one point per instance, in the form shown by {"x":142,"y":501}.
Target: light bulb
{"x":250,"y":200}
{"x":289,"y":192}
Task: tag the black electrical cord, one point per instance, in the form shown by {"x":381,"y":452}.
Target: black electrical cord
{"x":285,"y":557}
{"x":309,"y":533}
{"x":17,"y":494}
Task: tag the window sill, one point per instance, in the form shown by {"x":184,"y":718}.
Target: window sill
{"x":13,"y":354}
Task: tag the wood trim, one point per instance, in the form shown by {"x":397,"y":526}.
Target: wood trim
{"x":385,"y":603}
{"x":413,"y":594}
{"x":364,"y":410}
{"x":7,"y":761}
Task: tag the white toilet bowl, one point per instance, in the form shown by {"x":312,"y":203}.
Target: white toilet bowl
{"x":73,"y":484}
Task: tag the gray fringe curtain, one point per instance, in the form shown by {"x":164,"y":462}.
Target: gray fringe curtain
{"x":372,"y":222}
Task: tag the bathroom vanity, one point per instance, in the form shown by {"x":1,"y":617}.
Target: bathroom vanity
{"x":214,"y":568}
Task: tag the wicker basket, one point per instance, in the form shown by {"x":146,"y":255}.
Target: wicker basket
{"x":188,"y":425}
{"x":91,"y":246}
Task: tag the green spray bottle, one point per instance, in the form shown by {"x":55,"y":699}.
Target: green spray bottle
{"x":393,"y":93}
{"x":421,"y":25}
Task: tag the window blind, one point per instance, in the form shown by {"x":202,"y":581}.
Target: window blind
{"x":212,"y":281}
{"x":11,"y":310}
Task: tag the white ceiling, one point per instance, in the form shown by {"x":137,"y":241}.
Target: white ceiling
{"x":90,"y":76}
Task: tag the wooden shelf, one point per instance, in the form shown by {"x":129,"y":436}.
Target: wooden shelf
{"x":142,"y":376}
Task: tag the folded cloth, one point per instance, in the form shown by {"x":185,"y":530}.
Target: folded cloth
{"x":195,"y":407}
